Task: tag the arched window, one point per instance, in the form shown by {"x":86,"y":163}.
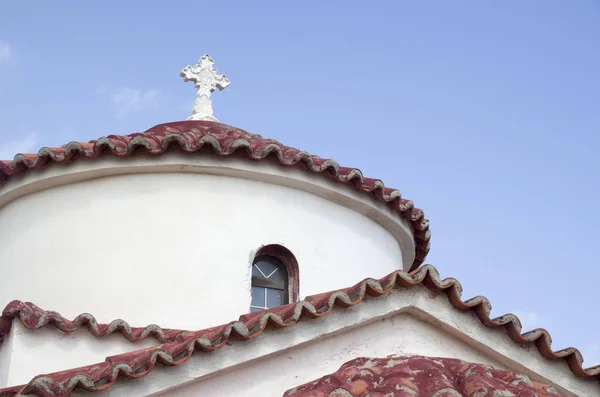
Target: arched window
{"x":269,"y":283}
{"x":274,"y":278}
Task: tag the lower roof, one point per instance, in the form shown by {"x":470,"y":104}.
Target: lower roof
{"x":177,"y":346}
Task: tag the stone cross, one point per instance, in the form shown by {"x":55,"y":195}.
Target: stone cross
{"x":206,"y":80}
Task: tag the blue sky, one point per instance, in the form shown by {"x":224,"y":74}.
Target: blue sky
{"x":486,"y":115}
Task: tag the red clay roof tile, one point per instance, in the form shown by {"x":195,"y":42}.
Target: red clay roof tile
{"x":418,"y":376}
{"x":33,"y":317}
{"x":225,"y":140}
{"x":139,"y":363}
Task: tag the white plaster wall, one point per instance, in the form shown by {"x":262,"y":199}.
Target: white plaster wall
{"x":47,"y":350}
{"x":5,"y":357}
{"x":273,"y":375}
{"x":175,"y":248}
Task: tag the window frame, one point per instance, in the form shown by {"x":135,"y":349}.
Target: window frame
{"x":284,"y":260}
{"x":282,"y":285}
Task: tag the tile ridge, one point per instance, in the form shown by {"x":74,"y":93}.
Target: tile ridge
{"x":33,"y":317}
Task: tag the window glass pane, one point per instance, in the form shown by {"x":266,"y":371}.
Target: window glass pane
{"x":274,"y":297}
{"x":267,"y":268}
{"x":258,"y":296}
{"x":272,"y":291}
{"x":256,"y":309}
{"x":276,"y":274}
{"x":256,"y":273}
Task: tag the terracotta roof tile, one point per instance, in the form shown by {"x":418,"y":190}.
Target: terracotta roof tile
{"x":225,"y":140}
{"x":139,"y":363}
{"x":33,"y":317}
{"x":418,"y":376}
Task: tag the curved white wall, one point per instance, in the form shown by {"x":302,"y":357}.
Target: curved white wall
{"x":174,"y":246}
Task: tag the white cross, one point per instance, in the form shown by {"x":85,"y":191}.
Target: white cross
{"x":206,"y":80}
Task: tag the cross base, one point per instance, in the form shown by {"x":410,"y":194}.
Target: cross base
{"x":204,"y":117}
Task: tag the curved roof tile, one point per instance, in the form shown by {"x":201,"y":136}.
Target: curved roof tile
{"x":33,"y":317}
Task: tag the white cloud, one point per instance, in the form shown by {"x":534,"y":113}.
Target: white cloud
{"x":128,"y":100}
{"x":529,"y":320}
{"x":28,"y":144}
{"x":5,"y":51}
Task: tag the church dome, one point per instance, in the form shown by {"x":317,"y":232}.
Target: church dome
{"x":223,"y":219}
{"x":217,"y":139}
